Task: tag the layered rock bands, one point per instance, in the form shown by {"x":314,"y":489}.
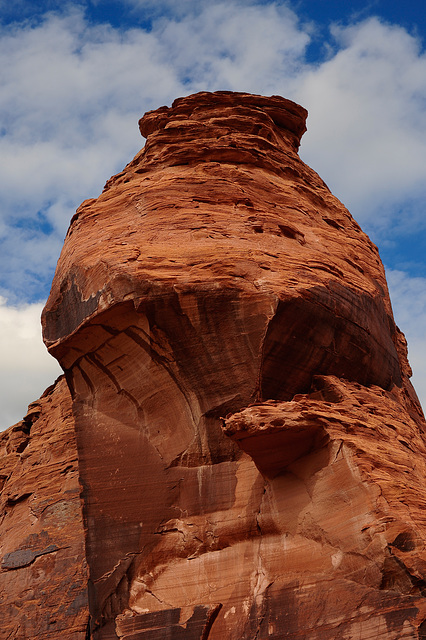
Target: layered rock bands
{"x":250,"y":450}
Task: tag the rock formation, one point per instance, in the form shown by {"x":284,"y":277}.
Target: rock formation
{"x":251,"y":452}
{"x":43,"y":573}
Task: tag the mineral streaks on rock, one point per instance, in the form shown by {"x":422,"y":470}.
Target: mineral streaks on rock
{"x":43,"y":576}
{"x":251,"y":450}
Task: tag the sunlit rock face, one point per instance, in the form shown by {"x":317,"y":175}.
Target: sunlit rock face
{"x":251,"y":451}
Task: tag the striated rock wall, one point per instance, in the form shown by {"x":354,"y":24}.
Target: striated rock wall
{"x":43,"y":574}
{"x":251,"y":452}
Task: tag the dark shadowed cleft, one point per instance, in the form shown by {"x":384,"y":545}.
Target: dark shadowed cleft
{"x":422,"y":630}
{"x":293,"y":234}
{"x":329,"y":331}
{"x":24,"y":557}
{"x":69,"y":313}
{"x":404,"y":541}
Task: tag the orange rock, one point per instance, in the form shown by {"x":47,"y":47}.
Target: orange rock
{"x":251,"y":451}
{"x":43,"y":576}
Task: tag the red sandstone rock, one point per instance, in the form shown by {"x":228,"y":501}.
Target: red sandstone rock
{"x":251,"y":451}
{"x":215,"y":272}
{"x":43,"y":577}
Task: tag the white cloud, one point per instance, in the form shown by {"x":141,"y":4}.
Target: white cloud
{"x":180,"y":9}
{"x":26,"y":368}
{"x":367,"y":123}
{"x":409,"y":305}
{"x":230,"y":46}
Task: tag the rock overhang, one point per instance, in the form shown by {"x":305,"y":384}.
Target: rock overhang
{"x":206,"y":224}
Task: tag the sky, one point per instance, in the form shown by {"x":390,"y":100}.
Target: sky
{"x":75,"y":77}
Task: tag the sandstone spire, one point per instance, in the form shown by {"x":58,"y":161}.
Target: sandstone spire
{"x":250,"y":449}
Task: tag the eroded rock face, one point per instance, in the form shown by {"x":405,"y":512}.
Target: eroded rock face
{"x":251,"y":450}
{"x":43,"y":573}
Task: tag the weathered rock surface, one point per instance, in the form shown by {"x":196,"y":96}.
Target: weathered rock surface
{"x":43,"y":575}
{"x":250,"y":449}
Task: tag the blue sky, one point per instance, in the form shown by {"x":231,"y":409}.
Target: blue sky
{"x":76,"y":77}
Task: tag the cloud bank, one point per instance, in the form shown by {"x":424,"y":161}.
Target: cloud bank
{"x":26,"y":367}
{"x":73,"y":91}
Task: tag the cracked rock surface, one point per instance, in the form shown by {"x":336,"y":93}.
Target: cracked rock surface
{"x":251,"y":452}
